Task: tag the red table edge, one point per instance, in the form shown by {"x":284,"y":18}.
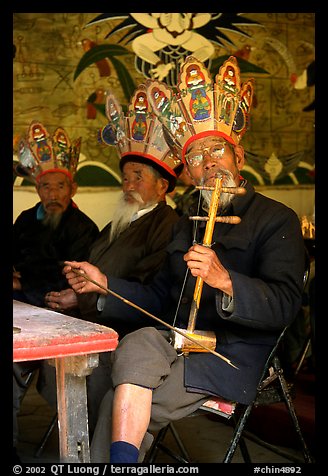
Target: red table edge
{"x":64,"y":350}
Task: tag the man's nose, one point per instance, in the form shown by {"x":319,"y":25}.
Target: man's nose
{"x":208,"y":160}
{"x":53,"y":192}
{"x":129,"y":186}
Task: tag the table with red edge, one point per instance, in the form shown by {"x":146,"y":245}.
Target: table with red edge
{"x":72,"y":346}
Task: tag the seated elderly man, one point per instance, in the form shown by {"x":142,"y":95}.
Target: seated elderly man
{"x":133,"y":244}
{"x":251,"y":275}
{"x":44,"y":235}
{"x":55,"y":227}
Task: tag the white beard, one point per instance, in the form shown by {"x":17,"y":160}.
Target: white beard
{"x":124,"y":213}
{"x":52,"y":219}
{"x":225,"y":198}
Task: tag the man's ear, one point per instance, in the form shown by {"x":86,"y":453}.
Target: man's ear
{"x":73,"y":189}
{"x":186,"y":171}
{"x":165,"y":184}
{"x":240,"y":156}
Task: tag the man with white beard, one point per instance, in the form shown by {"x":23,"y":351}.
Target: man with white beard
{"x":252,"y":275}
{"x":131,"y":246}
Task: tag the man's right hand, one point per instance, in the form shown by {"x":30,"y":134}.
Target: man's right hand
{"x":74,"y":271}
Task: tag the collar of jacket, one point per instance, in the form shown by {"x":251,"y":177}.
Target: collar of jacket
{"x":41,"y":213}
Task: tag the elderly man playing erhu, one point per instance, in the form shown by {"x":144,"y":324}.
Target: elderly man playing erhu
{"x":252,"y":275}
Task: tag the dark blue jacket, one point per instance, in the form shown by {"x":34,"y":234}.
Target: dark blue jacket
{"x":264,"y":255}
{"x":38,"y":250}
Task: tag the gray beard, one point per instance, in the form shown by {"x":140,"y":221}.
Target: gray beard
{"x":124,"y":213}
{"x":52,"y":220}
{"x":225,"y":198}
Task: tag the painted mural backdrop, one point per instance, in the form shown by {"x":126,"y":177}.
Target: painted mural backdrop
{"x":65,"y":62}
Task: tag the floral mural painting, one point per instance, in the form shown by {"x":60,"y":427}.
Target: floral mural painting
{"x":66,"y":62}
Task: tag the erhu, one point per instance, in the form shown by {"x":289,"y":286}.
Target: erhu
{"x":206,"y":339}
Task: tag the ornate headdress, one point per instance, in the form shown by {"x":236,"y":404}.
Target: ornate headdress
{"x":202,"y":107}
{"x":39,"y":153}
{"x":139,"y":136}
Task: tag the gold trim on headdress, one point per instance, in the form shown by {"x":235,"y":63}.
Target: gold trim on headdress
{"x":139,"y":134}
{"x":202,"y":107}
{"x":40,"y":153}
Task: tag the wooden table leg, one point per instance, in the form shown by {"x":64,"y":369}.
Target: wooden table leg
{"x":72,"y":407}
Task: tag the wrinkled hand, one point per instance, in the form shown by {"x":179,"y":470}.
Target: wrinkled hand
{"x":203,"y":262}
{"x":17,"y":286}
{"x":61,"y":301}
{"x":80,"y":284}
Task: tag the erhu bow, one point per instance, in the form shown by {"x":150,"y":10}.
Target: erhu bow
{"x":189,"y":339}
{"x":204,"y":339}
{"x":132,"y":304}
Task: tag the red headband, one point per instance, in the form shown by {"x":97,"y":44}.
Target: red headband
{"x":61,"y":171}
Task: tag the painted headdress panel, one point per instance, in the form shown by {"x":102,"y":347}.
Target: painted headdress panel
{"x":40,"y":153}
{"x":139,"y":135}
{"x":201,"y":106}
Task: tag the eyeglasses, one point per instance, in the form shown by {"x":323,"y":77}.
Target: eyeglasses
{"x":195,"y":157}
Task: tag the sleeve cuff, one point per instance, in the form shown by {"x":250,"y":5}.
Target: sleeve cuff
{"x":101,"y":302}
{"x":227,"y":303}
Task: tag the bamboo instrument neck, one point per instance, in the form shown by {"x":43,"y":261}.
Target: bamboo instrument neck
{"x":207,"y":241}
